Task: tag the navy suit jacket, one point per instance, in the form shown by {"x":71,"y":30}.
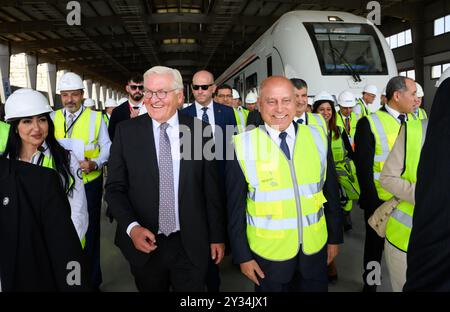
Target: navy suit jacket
{"x":223,"y":117}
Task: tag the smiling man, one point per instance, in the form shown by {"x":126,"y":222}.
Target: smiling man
{"x":283,"y":198}
{"x":169,"y":215}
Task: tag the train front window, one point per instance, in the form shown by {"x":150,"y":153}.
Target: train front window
{"x":345,"y":48}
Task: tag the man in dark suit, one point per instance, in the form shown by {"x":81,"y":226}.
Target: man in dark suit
{"x":269,"y":237}
{"x":40,"y":247}
{"x":400,"y":92}
{"x":131,"y":108}
{"x":219,"y":116}
{"x":164,"y":193}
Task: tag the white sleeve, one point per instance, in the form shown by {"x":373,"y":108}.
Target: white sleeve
{"x":130,"y":227}
{"x":105,"y":144}
{"x":77,"y":199}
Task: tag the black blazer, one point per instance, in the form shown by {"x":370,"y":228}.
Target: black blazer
{"x":132,"y":190}
{"x":37,"y":237}
{"x":254,"y":119}
{"x":237,"y":195}
{"x":120,"y":113}
{"x":364,"y":157}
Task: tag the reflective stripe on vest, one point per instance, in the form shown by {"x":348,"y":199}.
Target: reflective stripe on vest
{"x":399,"y":225}
{"x":86,"y":128}
{"x":4,"y":134}
{"x":385,"y":130}
{"x":274,"y":212}
{"x":239,"y":122}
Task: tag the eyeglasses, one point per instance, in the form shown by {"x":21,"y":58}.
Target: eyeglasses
{"x":203,"y":87}
{"x":224,"y":96}
{"x":134,"y":87}
{"x":160,"y":94}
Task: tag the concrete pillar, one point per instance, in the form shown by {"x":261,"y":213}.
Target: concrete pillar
{"x":114,"y":94}
{"x":102,"y":96}
{"x":5,"y":88}
{"x":108,"y":93}
{"x":50,"y":69}
{"x":87,"y":88}
{"x":96,"y":92}
{"x":31,"y":70}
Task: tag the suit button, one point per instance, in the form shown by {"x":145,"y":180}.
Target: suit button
{"x":5,"y":201}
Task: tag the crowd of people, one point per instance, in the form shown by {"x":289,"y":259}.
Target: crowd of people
{"x":270,"y":179}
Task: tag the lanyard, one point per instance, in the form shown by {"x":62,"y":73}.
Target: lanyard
{"x":66,"y":130}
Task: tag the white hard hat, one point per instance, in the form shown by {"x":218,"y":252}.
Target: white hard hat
{"x":346,"y":99}
{"x":370,"y":89}
{"x":324,"y":96}
{"x":88,"y":103}
{"x":110,"y":103}
{"x":444,"y":76}
{"x":419,"y":92}
{"x":122,"y":100}
{"x":235,"y":94}
{"x":251,"y":98}
{"x":70,"y":81}
{"x":26,"y":103}
{"x":383,"y":92}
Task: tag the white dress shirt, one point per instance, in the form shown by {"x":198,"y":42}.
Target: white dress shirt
{"x":209,"y":112}
{"x":302,"y":117}
{"x":290,"y":138}
{"x":395,"y":113}
{"x":142,"y":107}
{"x":173,"y":131}
{"x":103,"y":137}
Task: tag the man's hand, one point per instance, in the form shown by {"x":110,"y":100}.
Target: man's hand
{"x":87,"y":165}
{"x":332,"y":252}
{"x":143,"y":239}
{"x":134,"y":113}
{"x":249,"y":268}
{"x":217,"y":252}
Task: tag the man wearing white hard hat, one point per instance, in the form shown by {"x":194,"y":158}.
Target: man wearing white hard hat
{"x":240,"y":113}
{"x":383,"y":98}
{"x":346,"y":118}
{"x":368,"y":96}
{"x":89,"y":103}
{"x":110,"y":105}
{"x":419,"y":112}
{"x":83,"y":127}
{"x":250,"y":101}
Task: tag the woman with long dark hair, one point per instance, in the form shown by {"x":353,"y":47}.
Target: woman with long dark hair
{"x":342,"y":155}
{"x":31,"y":139}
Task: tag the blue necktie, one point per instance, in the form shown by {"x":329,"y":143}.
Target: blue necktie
{"x":402,"y":118}
{"x":300,"y":121}
{"x":205,"y":117}
{"x":283,"y":145}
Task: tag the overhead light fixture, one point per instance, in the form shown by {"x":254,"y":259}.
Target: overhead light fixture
{"x":334,"y":19}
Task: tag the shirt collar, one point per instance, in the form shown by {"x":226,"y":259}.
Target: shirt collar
{"x":394,"y":113}
{"x":303,"y":117}
{"x":43,"y":149}
{"x":274,"y":133}
{"x":136,"y":105}
{"x":173,"y":121}
{"x":199,"y":106}
{"x":78,"y":112}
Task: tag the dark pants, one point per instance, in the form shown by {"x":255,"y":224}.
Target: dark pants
{"x":212,"y":276}
{"x":304,"y":273}
{"x":94,"y":200}
{"x":373,"y":250}
{"x":169,"y":268}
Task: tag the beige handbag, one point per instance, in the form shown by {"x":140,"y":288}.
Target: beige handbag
{"x":381,"y":215}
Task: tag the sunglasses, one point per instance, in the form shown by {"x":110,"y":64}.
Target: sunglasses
{"x":134,"y":87}
{"x":203,"y":87}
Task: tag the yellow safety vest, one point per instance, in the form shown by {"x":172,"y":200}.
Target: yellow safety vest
{"x":86,"y":128}
{"x":106,"y":119}
{"x":345,"y":169}
{"x":364,"y":111}
{"x":421,"y":114}
{"x":284,"y":199}
{"x":48,"y":162}
{"x":353,"y":121}
{"x":399,"y":225}
{"x":4,"y":134}
{"x":239,"y":122}
{"x":385,"y":130}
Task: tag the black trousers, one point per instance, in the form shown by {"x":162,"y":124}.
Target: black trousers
{"x":94,"y":191}
{"x":169,"y":268}
{"x":304,"y":273}
{"x":373,"y":250}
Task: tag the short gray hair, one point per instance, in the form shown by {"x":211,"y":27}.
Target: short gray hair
{"x":163,"y":70}
{"x":397,"y":83}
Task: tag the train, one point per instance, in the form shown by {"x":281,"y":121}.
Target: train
{"x":332,"y":51}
